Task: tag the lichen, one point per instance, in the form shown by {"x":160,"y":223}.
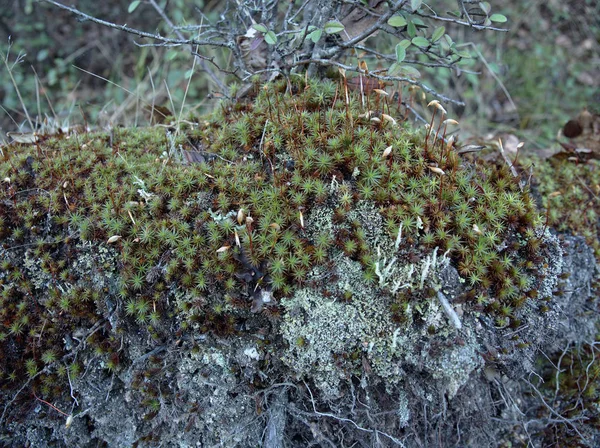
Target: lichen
{"x":302,"y":219}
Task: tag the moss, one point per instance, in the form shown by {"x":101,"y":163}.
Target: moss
{"x":140,"y":229}
{"x":568,"y":192}
{"x":569,"y":195}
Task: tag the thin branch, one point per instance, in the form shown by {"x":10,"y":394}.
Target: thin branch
{"x":567,"y":421}
{"x":180,"y":36}
{"x":463,"y":23}
{"x":500,"y":83}
{"x":212,"y":61}
{"x":306,"y":2}
{"x":332,"y":51}
{"x":127,"y":29}
{"x":49,"y":367}
{"x":559,"y":371}
{"x":376,"y":26}
{"x":345,"y":420}
{"x":18,"y":59}
{"x":392,"y":58}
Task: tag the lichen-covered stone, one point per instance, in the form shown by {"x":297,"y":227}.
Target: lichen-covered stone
{"x":272,"y":267}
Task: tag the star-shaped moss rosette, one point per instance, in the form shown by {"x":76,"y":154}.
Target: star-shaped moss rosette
{"x":124,"y":229}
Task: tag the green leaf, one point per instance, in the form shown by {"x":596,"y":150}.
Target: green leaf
{"x":315,"y":35}
{"x":333,"y":27}
{"x":397,"y":21}
{"x":394,"y":68}
{"x":42,"y":54}
{"x":445,"y":48}
{"x":405,"y":43}
{"x":410,"y":72}
{"x":397,"y":69}
{"x":133,"y":5}
{"x":411,"y":29}
{"x":270,"y":38}
{"x":463,"y":54}
{"x":415,"y":4}
{"x":400,"y":53}
{"x":418,"y":22}
{"x":420,"y":42}
{"x":438,"y":33}
{"x":52,"y":77}
{"x":260,"y":27}
{"x":485,"y":7}
{"x":498,"y":18}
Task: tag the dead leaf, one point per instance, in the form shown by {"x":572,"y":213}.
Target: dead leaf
{"x":364,"y":84}
{"x":358,"y":20}
{"x":510,"y":143}
{"x":254,"y":50}
{"x":584,"y":135}
{"x":198,"y":156}
{"x":437,"y":170}
{"x":158,"y":114}
{"x":27,"y":138}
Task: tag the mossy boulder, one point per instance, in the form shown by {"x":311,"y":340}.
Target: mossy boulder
{"x":299,"y":248}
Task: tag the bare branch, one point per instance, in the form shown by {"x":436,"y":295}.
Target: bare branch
{"x":180,"y":36}
{"x":345,"y":420}
{"x":463,"y":23}
{"x":566,"y":421}
{"x":157,"y":37}
{"x":251,"y":55}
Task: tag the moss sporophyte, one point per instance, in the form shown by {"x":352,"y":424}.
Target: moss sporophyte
{"x":123,"y":230}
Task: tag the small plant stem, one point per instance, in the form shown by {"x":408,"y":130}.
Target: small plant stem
{"x":547,"y":220}
{"x":249,"y":230}
{"x":445,"y":148}
{"x":333,"y":105}
{"x":437,"y":132}
{"x":5,"y":60}
{"x":278,"y":108}
{"x":51,"y":405}
{"x":269,"y":102}
{"x":399,"y":98}
{"x":348,"y":114}
{"x":387,"y":104}
{"x":429,"y":132}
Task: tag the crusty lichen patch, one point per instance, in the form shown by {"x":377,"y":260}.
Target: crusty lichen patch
{"x":327,"y":335}
{"x":345,"y":326}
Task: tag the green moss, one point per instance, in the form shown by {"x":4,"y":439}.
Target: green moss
{"x":569,"y":190}
{"x":287,"y":183}
{"x":570,"y":195}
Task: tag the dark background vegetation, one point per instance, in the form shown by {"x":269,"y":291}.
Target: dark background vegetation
{"x":547,"y":63}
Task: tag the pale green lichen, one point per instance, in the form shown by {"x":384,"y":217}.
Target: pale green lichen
{"x":454,"y":367}
{"x":328,"y":336}
{"x":331,"y":328}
